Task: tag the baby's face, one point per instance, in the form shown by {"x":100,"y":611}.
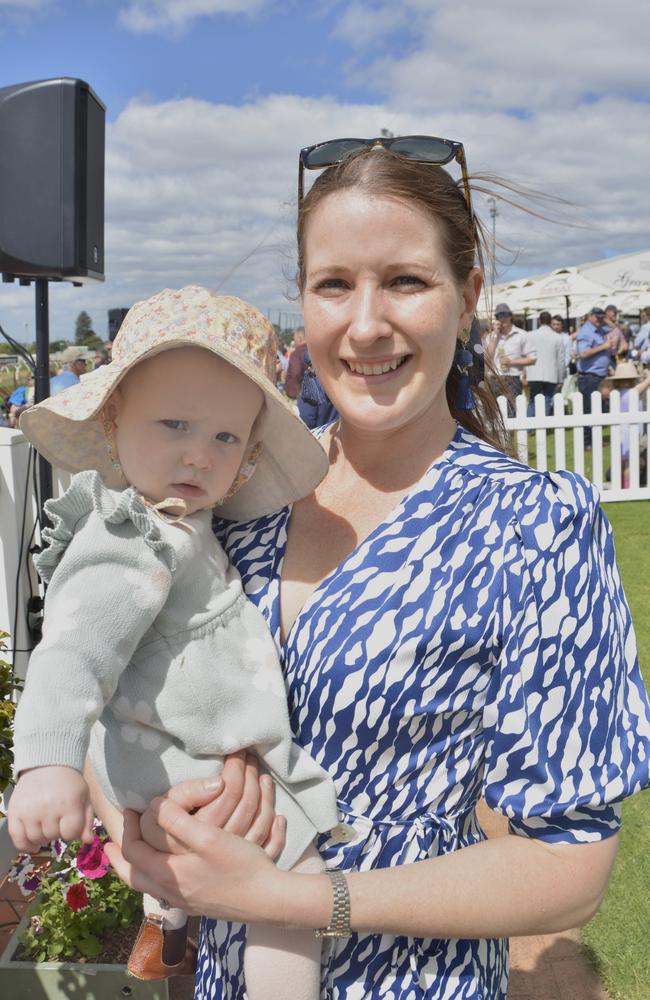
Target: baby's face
{"x":183,"y":422}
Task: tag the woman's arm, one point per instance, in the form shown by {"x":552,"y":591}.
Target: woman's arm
{"x":507,"y":886}
{"x":238,"y":800}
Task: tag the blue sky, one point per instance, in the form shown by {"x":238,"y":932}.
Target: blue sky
{"x":209,"y":101}
{"x":286,"y":48}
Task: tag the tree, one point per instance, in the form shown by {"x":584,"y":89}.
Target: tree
{"x":93,"y":341}
{"x":56,"y":346}
{"x":83,"y":328}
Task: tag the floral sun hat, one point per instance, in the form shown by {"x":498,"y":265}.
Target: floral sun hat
{"x":67,"y":429}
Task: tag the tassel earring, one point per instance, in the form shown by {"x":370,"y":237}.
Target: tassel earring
{"x":463,"y":362}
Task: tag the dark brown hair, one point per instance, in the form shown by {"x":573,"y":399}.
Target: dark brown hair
{"x":382,"y":174}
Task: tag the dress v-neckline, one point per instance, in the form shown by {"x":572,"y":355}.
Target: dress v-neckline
{"x":276,"y":610}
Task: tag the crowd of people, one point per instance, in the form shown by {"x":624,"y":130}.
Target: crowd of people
{"x":602,"y":354}
{"x":67,"y":370}
{"x":552,"y":359}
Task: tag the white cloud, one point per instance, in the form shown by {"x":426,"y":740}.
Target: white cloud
{"x":363,"y":25}
{"x":142,"y":16}
{"x":205,"y":192}
{"x":507,"y":55}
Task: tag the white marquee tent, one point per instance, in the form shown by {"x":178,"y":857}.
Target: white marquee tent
{"x":624,"y":280}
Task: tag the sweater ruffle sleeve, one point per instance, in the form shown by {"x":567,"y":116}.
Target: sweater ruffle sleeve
{"x":86,"y":494}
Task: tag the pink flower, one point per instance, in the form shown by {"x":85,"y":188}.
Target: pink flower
{"x":92,"y":861}
{"x":76,"y":897}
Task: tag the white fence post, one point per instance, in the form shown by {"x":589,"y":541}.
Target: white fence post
{"x":597,"y":476}
{"x":540,"y":433}
{"x":560,"y":443}
{"x":578,"y":434}
{"x":615,"y":438}
{"x":16,"y":524}
{"x":522,"y":436}
{"x":618,"y":468}
{"x":633,"y":434}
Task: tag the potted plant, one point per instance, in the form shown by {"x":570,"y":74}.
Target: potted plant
{"x":75,"y":939}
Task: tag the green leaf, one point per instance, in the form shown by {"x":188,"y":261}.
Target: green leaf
{"x":89,"y":946}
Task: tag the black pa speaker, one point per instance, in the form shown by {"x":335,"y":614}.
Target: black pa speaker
{"x":52,"y":180}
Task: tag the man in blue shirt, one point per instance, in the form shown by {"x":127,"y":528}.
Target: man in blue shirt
{"x":75,"y":365}
{"x":594,"y":348}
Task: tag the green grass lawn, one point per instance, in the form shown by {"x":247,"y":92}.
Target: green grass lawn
{"x":618,"y":938}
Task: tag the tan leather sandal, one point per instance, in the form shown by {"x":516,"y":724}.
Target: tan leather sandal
{"x":146,"y":958}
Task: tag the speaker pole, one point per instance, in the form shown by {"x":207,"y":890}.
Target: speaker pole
{"x":42,"y":380}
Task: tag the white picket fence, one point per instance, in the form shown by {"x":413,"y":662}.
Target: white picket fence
{"x":606,"y":470}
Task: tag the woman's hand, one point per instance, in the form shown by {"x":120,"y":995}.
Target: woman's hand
{"x":221,"y":875}
{"x":239,"y":801}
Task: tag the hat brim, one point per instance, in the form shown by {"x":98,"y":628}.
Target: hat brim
{"x":67,"y":430}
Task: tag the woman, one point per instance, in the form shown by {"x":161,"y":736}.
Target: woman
{"x":452,"y":625}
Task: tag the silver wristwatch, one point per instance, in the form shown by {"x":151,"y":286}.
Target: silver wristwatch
{"x":339,"y":925}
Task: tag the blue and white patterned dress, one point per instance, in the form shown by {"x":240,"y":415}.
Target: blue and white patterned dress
{"x":478,"y":642}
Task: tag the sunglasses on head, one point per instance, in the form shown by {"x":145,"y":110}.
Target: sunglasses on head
{"x":419,"y":148}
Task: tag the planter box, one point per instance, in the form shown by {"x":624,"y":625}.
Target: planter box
{"x":63,"y":980}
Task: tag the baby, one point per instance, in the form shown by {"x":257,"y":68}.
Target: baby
{"x":152,"y":660}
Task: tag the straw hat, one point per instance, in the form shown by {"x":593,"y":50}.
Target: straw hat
{"x":72,"y":354}
{"x":67,"y":428}
{"x":625,"y":370}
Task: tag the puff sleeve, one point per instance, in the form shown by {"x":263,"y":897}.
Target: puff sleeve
{"x":566,"y":714}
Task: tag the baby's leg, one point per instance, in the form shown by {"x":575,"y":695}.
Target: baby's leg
{"x":284,"y":964}
{"x":162,"y":948}
{"x":174,"y":925}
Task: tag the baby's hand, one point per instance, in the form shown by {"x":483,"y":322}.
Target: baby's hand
{"x":49,"y":802}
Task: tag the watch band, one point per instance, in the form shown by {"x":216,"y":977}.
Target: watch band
{"x":339,"y":925}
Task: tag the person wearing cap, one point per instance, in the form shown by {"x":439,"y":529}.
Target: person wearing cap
{"x":594,"y":350}
{"x":74,"y":362}
{"x":510,"y":353}
{"x":182,"y":670}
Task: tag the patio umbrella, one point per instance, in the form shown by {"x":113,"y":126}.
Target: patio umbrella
{"x":627,"y":301}
{"x":509,"y":292}
{"x":561,"y":289}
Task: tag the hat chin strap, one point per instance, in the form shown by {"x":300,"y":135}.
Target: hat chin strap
{"x":108,"y":426}
{"x":246,"y":471}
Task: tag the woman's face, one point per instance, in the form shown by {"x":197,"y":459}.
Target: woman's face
{"x":382,"y":311}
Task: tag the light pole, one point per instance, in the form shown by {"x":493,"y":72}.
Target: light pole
{"x":493,"y":213}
